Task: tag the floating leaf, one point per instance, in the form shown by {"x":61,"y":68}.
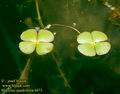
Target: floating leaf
{"x":84,"y":37}
{"x":27,"y":47}
{"x":45,"y":36}
{"x":102,"y":48}
{"x":43,"y":48}
{"x":93,"y":43}
{"x":29,"y":35}
{"x":36,"y":40}
{"x":98,"y":36}
{"x":87,"y":49}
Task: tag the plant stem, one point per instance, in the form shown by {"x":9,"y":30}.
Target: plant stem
{"x":26,"y":70}
{"x":38,"y":14}
{"x":61,"y":72}
{"x":67,"y":27}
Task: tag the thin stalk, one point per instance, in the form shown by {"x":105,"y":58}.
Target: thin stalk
{"x":26,"y":70}
{"x":67,"y":27}
{"x":61,"y":72}
{"x":38,"y":14}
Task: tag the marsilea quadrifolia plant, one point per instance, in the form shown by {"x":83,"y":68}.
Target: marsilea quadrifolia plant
{"x":94,"y":43}
{"x":90,"y":44}
{"x":40,"y":41}
{"x":36,"y":40}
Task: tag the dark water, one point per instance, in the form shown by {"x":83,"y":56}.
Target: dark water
{"x":86,"y":75}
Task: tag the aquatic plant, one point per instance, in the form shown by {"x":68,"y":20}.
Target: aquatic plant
{"x":40,"y":39}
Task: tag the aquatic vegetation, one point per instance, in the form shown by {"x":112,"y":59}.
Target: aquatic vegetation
{"x":41,"y":41}
{"x":67,"y":46}
{"x":36,"y":40}
{"x":90,"y":44}
{"x":90,"y":41}
{"x":93,"y":43}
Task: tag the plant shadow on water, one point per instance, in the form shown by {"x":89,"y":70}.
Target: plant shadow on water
{"x":65,"y":70}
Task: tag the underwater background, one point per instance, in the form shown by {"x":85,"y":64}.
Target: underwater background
{"x":85,"y":75}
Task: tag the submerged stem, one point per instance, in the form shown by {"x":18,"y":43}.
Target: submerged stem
{"x":67,"y":27}
{"x":61,"y":72}
{"x":26,"y":70}
{"x":38,"y":14}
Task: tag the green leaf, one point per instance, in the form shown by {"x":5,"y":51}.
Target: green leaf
{"x":27,"y":47}
{"x":98,"y":36}
{"x":84,"y":37}
{"x":87,"y":49}
{"x":29,"y":35}
{"x":39,"y":41}
{"x":102,"y":48}
{"x":45,"y":36}
{"x":44,"y":48}
{"x":92,"y":44}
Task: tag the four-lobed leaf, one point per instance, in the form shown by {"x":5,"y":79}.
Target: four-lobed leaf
{"x":39,"y":41}
{"x":94,"y":43}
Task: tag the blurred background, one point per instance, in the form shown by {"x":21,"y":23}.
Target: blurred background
{"x":86,"y":75}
